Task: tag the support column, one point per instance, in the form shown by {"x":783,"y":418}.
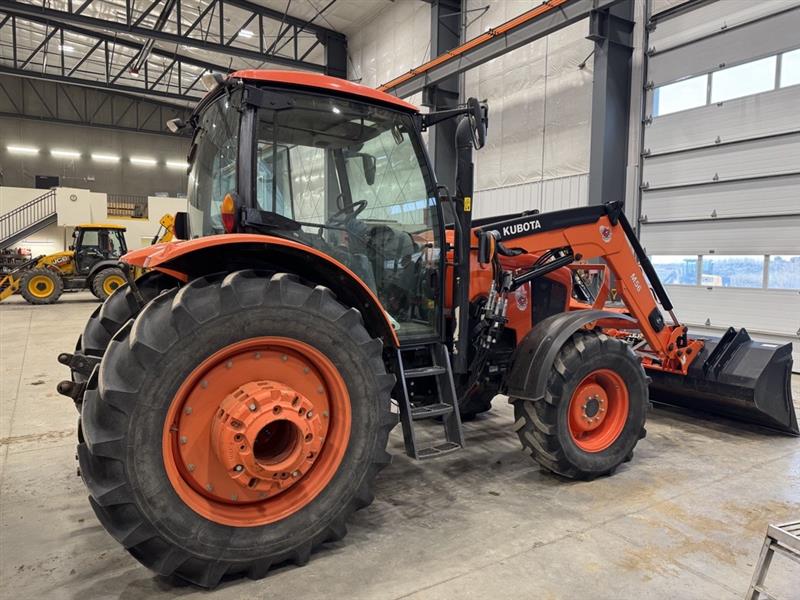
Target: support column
{"x":611,"y":29}
{"x":446,"y":19}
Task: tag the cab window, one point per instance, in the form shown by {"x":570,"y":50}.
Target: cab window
{"x":213,"y":166}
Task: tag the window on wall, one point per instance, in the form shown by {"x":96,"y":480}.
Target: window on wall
{"x":784,"y":272}
{"x":681,"y":95}
{"x":675,"y":269}
{"x":754,"y":77}
{"x":732,"y":271}
{"x":790,"y":68}
{"x":743,"y":80}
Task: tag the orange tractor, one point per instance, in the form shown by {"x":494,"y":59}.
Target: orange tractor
{"x":236,"y":400}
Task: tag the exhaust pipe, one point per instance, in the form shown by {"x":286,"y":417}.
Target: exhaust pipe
{"x":735,"y":377}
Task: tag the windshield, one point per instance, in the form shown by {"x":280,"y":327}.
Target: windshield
{"x":349,"y":178}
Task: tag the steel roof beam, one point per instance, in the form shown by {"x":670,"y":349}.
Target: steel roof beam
{"x":54,"y":17}
{"x":100,"y":52}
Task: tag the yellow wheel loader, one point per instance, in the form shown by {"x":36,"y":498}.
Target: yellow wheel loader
{"x":90,"y":263}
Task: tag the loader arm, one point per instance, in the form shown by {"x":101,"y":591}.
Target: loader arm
{"x":734,"y":375}
{"x":603,"y":232}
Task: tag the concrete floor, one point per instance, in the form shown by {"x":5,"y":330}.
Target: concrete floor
{"x":684,"y":519}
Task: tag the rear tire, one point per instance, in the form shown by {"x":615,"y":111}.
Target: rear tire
{"x":599,"y":371}
{"x":107,"y":281}
{"x":129,"y":406}
{"x":41,"y":286}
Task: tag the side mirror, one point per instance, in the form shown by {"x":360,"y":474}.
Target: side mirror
{"x":181,"y":225}
{"x":369,"y":164}
{"x":478,"y":115}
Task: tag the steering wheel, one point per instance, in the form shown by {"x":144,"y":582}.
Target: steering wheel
{"x":356,"y":209}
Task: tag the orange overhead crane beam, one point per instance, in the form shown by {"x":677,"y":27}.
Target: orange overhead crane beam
{"x":492,"y":33}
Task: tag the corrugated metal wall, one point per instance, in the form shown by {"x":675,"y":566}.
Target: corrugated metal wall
{"x":545,"y":195}
{"x":721,"y":180}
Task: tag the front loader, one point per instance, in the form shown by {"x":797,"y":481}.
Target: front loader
{"x":236,"y":400}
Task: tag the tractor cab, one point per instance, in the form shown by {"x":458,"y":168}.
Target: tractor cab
{"x":95,"y":243}
{"x":342,"y":172}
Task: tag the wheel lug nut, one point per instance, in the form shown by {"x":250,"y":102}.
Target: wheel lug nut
{"x":238,"y":468}
{"x":252,"y":407}
{"x":191,"y":467}
{"x":209,"y":487}
{"x":229,"y":364}
{"x":295,"y":473}
{"x":183,"y":439}
{"x":187,"y":410}
{"x":284,"y":358}
{"x":310,"y":414}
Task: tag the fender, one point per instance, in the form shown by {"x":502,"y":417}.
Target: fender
{"x":234,"y":251}
{"x":100,"y":265}
{"x":536,"y":353}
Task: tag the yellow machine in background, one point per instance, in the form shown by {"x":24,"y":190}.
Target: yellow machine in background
{"x":90,"y":263}
{"x":166,"y":230}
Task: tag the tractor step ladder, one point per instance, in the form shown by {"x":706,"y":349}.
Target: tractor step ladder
{"x":784,"y":539}
{"x":446,"y":407}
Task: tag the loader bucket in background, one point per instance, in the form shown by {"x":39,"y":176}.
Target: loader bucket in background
{"x":736,"y":377}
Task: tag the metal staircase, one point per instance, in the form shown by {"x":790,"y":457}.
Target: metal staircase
{"x":27,"y":219}
{"x":446,"y":406}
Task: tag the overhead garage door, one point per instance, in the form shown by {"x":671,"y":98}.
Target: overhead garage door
{"x":720,"y":189}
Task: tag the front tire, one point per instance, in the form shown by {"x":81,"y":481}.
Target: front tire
{"x":593,"y":412}
{"x":108,"y":318}
{"x":106,"y":282}
{"x":41,"y":286}
{"x":167,"y":376}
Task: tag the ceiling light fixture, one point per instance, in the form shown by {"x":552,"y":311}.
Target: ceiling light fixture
{"x":65,"y":153}
{"x":105,"y":157}
{"x":143,"y":161}
{"x":246,"y":33}
{"x":178,"y":164}
{"x":22,"y":149}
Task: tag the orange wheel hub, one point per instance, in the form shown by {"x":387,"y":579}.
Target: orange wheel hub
{"x":598,"y":410}
{"x":257,"y":431}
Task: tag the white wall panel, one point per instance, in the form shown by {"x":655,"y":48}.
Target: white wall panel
{"x":724,"y":200}
{"x":769,"y":156}
{"x":547,"y":195}
{"x":539,"y":102}
{"x":707,"y":19}
{"x":774,"y":313}
{"x":765,"y":235}
{"x":753,"y":40}
{"x":393,"y":42}
{"x":739,"y":119}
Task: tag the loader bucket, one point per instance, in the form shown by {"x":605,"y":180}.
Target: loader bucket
{"x":736,"y":377}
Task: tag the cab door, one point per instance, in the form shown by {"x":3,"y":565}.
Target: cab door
{"x":87,"y":250}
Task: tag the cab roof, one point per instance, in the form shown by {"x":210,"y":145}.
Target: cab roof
{"x":318,"y":81}
{"x":99,"y":226}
